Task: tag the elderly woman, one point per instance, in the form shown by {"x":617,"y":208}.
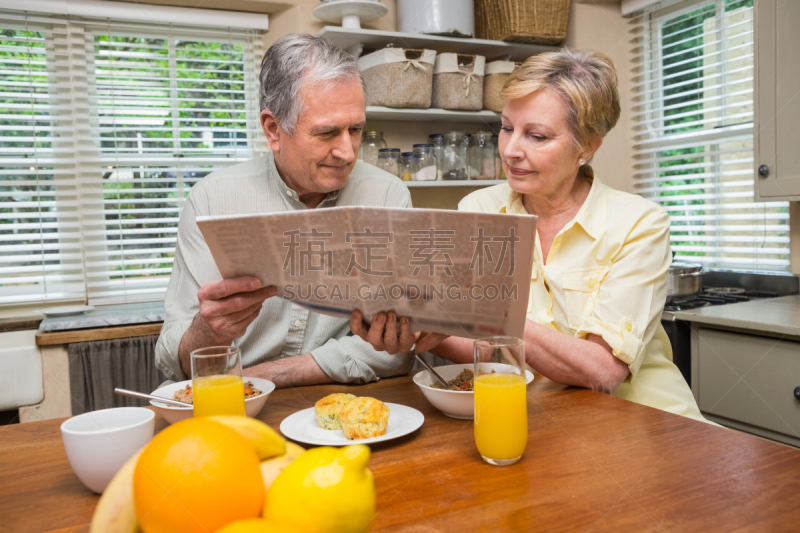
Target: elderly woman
{"x":601,"y":258}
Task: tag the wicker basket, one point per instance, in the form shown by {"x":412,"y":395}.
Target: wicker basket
{"x":522,"y":21}
{"x":495,"y":76}
{"x":399,"y":78}
{"x":458,"y":82}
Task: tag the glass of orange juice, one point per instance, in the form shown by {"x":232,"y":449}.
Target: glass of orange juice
{"x":501,"y":407}
{"x":217,"y":386}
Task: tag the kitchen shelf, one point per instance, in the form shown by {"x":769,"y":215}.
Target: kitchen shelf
{"x":352,"y":40}
{"x":431,"y":115}
{"x":454,"y":183}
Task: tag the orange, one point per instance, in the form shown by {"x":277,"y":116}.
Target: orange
{"x":196,"y":476}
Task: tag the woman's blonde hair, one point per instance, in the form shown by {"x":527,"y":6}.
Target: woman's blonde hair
{"x":586,"y":81}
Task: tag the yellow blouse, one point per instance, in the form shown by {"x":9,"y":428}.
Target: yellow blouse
{"x":606,"y":274}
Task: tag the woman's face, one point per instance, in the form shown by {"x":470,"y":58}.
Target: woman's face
{"x":539,"y":157}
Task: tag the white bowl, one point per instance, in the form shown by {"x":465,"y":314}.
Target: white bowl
{"x":456,"y":403}
{"x":252,"y":406}
{"x":98,"y":443}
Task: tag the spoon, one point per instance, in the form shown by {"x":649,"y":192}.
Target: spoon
{"x":432,"y":371}
{"x":143,"y":396}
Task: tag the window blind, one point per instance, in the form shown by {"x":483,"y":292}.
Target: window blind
{"x":170,"y":109}
{"x":693,"y":135}
{"x":40,"y":244}
{"x":105,"y":128}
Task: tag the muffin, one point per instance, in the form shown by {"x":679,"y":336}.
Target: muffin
{"x":328,"y":408}
{"x":364,"y":417}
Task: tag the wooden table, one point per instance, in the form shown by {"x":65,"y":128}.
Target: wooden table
{"x":593,"y":462}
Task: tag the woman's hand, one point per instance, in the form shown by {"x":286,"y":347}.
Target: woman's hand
{"x":383,"y":334}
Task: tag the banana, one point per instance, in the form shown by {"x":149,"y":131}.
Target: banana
{"x":115,"y":512}
{"x":272,"y":467}
{"x":267,"y":442}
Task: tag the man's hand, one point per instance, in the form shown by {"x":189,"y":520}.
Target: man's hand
{"x":382,"y":334}
{"x":229,"y":306}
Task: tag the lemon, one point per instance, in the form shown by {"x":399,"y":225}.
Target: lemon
{"x":251,"y":525}
{"x":325,"y":490}
{"x":196,"y":476}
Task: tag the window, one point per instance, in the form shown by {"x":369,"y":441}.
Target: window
{"x":105,"y":128}
{"x":40,"y":251}
{"x":693,"y":135}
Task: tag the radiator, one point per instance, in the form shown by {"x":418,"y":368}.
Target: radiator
{"x":97,"y":367}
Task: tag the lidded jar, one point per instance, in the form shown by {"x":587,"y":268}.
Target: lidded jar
{"x":370,"y":145}
{"x":454,"y":157}
{"x":424,"y":163}
{"x":387,"y":161}
{"x":437,"y":141}
{"x":406,"y":166}
{"x":482,"y":159}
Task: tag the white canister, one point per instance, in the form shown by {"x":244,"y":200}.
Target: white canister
{"x":436,"y":16}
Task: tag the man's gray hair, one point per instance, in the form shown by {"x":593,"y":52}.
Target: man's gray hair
{"x":300,"y":60}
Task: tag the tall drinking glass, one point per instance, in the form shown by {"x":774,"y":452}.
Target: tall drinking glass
{"x":217,"y":385}
{"x":501,"y":408}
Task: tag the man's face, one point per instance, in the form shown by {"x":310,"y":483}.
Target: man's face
{"x":318,"y":158}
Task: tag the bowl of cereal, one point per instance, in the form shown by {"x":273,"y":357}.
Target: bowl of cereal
{"x":255,"y":396}
{"x":459,"y":400}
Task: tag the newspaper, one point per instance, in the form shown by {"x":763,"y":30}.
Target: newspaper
{"x":451,"y":272}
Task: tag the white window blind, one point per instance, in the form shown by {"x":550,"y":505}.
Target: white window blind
{"x":693,"y":135}
{"x":143,"y":112}
{"x":40,"y":249}
{"x":170,"y":109}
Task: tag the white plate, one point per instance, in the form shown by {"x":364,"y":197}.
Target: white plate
{"x":303,"y":427}
{"x":65,"y":311}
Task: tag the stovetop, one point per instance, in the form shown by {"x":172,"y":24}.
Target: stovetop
{"x":718,"y":296}
{"x":714,"y":296}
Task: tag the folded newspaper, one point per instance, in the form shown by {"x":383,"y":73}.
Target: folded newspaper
{"x":452,"y":272}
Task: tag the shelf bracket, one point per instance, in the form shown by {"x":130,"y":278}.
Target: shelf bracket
{"x":356,"y":49}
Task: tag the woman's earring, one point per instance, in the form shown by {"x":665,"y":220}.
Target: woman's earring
{"x":581,"y":161}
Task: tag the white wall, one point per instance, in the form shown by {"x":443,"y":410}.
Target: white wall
{"x":600,"y":27}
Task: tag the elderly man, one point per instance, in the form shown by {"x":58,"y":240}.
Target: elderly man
{"x":312,"y":101}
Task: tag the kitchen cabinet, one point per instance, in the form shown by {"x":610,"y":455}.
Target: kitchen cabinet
{"x":777,"y":107}
{"x":748,"y":382}
{"x":745,"y":364}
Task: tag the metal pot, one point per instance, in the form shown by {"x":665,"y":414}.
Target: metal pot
{"x":684,"y":280}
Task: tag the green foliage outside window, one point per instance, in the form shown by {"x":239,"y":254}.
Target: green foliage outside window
{"x":139,"y":81}
{"x":28,"y":190}
{"x":683,"y":63}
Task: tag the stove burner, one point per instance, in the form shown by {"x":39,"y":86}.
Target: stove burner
{"x":723,"y":291}
{"x":716,"y":296}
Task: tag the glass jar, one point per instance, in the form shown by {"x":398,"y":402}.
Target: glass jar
{"x":424,"y":164}
{"x":468,"y":144}
{"x":437,"y":141}
{"x":498,"y":161}
{"x":482,"y":154}
{"x":370,"y":144}
{"x":387,"y":161}
{"x":454,"y":157}
{"x":396,"y":155}
{"x":405,"y":165}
